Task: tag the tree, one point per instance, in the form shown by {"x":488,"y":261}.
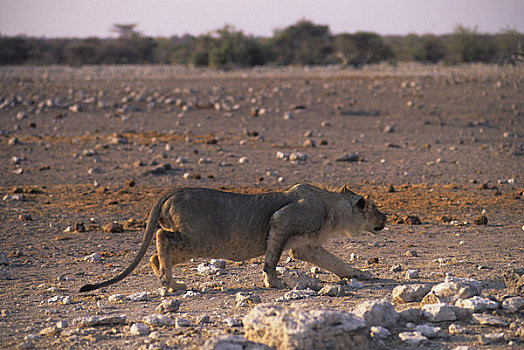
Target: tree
{"x":125,"y":31}
{"x":302,"y":43}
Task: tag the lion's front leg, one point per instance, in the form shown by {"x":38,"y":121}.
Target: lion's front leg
{"x":327,"y":261}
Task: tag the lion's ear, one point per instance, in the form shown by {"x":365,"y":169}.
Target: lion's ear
{"x":345,"y":189}
{"x":361,"y":203}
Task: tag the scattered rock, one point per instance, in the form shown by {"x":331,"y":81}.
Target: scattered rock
{"x":411,"y":253}
{"x":378,"y":332}
{"x":95,"y":257}
{"x":139,"y":296}
{"x":492,"y":338}
{"x":113,"y":227}
{"x":410,"y":293}
{"x":243,"y":299}
{"x":412,"y":315}
{"x":438,"y":312}
{"x":477,"y":304}
{"x":297,"y":279}
{"x":139,"y":329}
{"x":115,"y":298}
{"x":489,"y":320}
{"x":5,"y":274}
{"x":412,"y":338}
{"x":377,"y":312}
{"x":350,"y":157}
{"x":182,"y":322}
{"x":295,"y":328}
{"x":157,"y":320}
{"x":233,"y":342}
{"x":233,"y":322}
{"x":453,"y":289}
{"x":428,"y":330}
{"x":332,"y":290}
{"x":99,"y":320}
{"x":297,"y":294}
{"x":513,"y":304}
{"x":455,"y":328}
{"x":208,"y":269}
{"x":169,"y":305}
{"x":4,"y":260}
{"x":412,"y":274}
{"x":514,"y":280}
{"x":481,"y":220}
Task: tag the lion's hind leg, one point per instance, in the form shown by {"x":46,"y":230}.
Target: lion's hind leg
{"x":169,"y":253}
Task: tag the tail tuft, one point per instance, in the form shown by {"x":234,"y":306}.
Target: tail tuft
{"x":88,"y":287}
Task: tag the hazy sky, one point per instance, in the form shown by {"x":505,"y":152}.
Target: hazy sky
{"x":83,"y":18}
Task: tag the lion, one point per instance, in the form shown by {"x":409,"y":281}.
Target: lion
{"x":207,"y":223}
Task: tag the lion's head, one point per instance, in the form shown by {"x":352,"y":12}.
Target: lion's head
{"x":369,"y":218}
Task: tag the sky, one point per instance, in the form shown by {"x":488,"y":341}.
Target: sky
{"x":85,"y":18}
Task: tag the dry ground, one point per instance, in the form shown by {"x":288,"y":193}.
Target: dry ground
{"x":448,"y":139}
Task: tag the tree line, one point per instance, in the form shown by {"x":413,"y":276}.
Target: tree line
{"x":303,"y":43}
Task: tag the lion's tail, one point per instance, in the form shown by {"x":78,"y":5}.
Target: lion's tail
{"x":152,"y":222}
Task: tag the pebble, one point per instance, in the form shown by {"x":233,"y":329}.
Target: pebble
{"x":139,"y":329}
{"x":243,"y":299}
{"x":243,"y":160}
{"x":113,"y":227}
{"x":351,"y":157}
{"x":3,"y":259}
{"x":457,"y":329}
{"x":115,"y":298}
{"x":5,"y":274}
{"x":95,"y":257}
{"x":410,"y":293}
{"x":489,"y":320}
{"x":412,"y":274}
{"x":99,"y":320}
{"x":378,"y":332}
{"x":157,"y":320}
{"x":20,"y":197}
{"x":169,"y":305}
{"x":233,"y":322}
{"x":428,"y":330}
{"x":411,"y":253}
{"x":513,"y":304}
{"x":332,"y":290}
{"x":412,"y":338}
{"x":297,"y":156}
{"x":139,"y":296}
{"x":492,"y":338}
{"x":297,"y":294}
{"x":182,"y":322}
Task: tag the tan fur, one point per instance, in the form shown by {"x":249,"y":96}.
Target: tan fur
{"x":198,"y":222}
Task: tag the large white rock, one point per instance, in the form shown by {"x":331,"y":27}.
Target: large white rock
{"x":295,"y":328}
{"x":139,"y":329}
{"x":477,"y":304}
{"x":438,"y":312}
{"x":157,"y":320}
{"x":513,"y":304}
{"x":233,"y":342}
{"x":453,"y":289}
{"x":489,"y":320}
{"x":378,"y":312}
{"x":412,"y":338}
{"x":410,"y":292}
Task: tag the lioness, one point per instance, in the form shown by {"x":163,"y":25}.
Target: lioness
{"x":205,"y":223}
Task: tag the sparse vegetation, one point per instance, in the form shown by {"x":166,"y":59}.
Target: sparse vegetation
{"x":303,"y":43}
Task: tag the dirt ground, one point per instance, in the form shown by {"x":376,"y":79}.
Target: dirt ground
{"x":95,"y":145}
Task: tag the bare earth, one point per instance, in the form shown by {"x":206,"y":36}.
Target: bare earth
{"x":92,"y":146}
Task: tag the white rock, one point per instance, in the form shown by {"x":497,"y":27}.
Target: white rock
{"x":139,"y":329}
{"x":298,"y":156}
{"x":428,"y":330}
{"x":139,"y":296}
{"x":489,"y":320}
{"x":169,"y":305}
{"x":243,"y":160}
{"x":412,"y":338}
{"x":410,"y":293}
{"x":477,"y":304}
{"x":332,"y":290}
{"x":377,"y":312}
{"x":220,"y":263}
{"x":182,"y":322}
{"x":282,"y":155}
{"x":453,"y":289}
{"x":181,"y":160}
{"x":355,"y":284}
{"x":157,"y":320}
{"x":411,"y":274}
{"x":455,"y":328}
{"x":513,"y":304}
{"x":297,"y":294}
{"x":438,"y":312}
{"x":209,"y":269}
{"x":378,"y":332}
{"x":115,"y":298}
{"x":190,"y":294}
{"x":295,"y":328}
{"x":492,"y":338}
{"x":243,"y":299}
{"x":95,"y":257}
{"x":232,"y":342}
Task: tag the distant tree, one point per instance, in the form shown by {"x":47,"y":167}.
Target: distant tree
{"x":14,"y":50}
{"x":361,"y":48}
{"x":510,"y":46}
{"x":469,"y":46}
{"x":302,"y":43}
{"x":125,"y":31}
{"x":87,"y":51}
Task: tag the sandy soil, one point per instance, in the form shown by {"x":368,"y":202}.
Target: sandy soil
{"x":99,"y":144}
